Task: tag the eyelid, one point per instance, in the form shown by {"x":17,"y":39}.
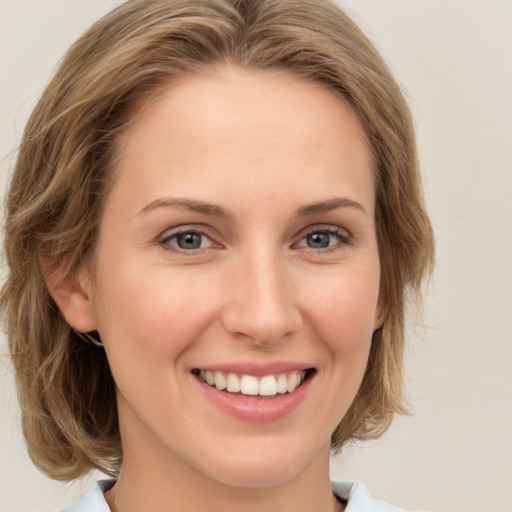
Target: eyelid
{"x":168,"y":234}
{"x":332,"y":228}
{"x":344,"y":235}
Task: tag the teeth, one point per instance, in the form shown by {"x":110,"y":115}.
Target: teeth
{"x":269,"y":385}
{"x":249,"y":385}
{"x":233,"y":383}
{"x":292,"y":382}
{"x":282,"y":384}
{"x":220,"y":381}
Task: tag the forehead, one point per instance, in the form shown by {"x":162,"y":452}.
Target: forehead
{"x":235,"y":96}
{"x":233,"y":124}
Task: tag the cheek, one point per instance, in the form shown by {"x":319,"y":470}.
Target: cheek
{"x":150,"y":318}
{"x":342,"y":311}
{"x":344,"y":306}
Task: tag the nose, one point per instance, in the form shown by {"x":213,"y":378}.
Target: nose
{"x":260,"y":302}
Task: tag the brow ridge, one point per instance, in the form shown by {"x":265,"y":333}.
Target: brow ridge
{"x":329,"y":205}
{"x":206,"y":208}
{"x":189,"y":204}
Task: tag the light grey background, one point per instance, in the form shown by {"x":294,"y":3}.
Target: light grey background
{"x":454,"y":60}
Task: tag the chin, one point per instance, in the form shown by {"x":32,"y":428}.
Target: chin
{"x":262,"y":476}
{"x":269,"y":466}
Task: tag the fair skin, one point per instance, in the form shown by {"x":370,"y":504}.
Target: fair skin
{"x":239,"y":237}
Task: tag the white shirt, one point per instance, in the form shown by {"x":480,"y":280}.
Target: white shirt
{"x":357,"y":495}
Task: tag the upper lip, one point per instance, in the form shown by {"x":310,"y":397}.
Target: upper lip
{"x":256,"y":369}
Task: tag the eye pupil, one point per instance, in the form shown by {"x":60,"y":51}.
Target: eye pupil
{"x":318,"y":240}
{"x":189,"y":240}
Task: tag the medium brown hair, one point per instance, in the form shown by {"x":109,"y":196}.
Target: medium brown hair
{"x":64,"y":170}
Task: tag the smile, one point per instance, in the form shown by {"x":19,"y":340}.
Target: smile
{"x":250,"y":385}
{"x":255,"y":394}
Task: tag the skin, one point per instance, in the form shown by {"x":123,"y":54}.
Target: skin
{"x":262,"y":146}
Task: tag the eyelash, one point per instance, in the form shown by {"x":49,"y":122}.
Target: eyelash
{"x":344,"y":238}
{"x":165,"y":242}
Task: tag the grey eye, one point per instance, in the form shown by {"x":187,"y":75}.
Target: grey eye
{"x":324,"y":239}
{"x":189,"y":240}
{"x":319,"y":239}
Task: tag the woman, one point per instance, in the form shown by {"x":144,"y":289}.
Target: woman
{"x":214,"y":220}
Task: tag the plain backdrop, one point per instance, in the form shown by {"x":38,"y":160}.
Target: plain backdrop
{"x":454,"y":61}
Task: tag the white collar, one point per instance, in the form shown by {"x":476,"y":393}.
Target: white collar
{"x":358,"y":497}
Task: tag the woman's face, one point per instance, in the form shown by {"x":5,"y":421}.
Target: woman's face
{"x":238,"y":246}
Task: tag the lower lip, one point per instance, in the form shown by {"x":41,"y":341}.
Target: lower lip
{"x":256,"y":410}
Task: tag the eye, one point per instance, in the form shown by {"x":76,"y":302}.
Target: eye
{"x":324,"y":238}
{"x":187,"y":240}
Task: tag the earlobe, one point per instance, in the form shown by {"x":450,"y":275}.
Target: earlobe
{"x":73,"y":295}
{"x":380,"y":316}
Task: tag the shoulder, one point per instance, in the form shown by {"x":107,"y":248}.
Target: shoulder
{"x":360,"y":500}
{"x":94,"y":500}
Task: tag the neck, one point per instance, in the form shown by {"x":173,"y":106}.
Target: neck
{"x":173,"y":496}
{"x":154,"y":478}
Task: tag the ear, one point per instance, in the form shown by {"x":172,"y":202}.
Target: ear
{"x":380,"y":316}
{"x":72,"y":292}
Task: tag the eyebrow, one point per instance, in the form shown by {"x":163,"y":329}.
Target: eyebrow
{"x":217,"y":211}
{"x":329,"y":205}
{"x":188,"y":204}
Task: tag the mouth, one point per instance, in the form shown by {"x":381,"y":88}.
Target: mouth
{"x":251,"y":386}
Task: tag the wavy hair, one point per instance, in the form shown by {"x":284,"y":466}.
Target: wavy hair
{"x":65,"y":169}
